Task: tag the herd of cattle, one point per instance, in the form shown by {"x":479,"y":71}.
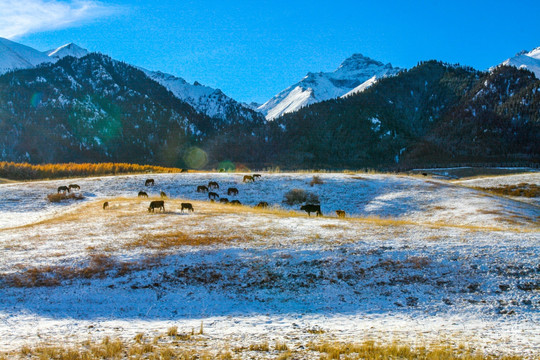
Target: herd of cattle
{"x":212,"y":196}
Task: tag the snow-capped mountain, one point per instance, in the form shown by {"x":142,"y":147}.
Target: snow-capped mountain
{"x":206,"y":100}
{"x":15,"y":56}
{"x":526,"y":60}
{"x":70,"y":49}
{"x":355,"y":74}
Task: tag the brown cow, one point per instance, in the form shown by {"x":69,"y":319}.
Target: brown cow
{"x":105,"y":205}
{"x":149,"y":182}
{"x":256,"y":176}
{"x":248,"y":178}
{"x":156,"y":204}
{"x":223,"y":200}
{"x":232,"y":191}
{"x":63,"y":188}
{"x":262,"y":204}
{"x":213,"y":185}
{"x":202,"y":188}
{"x":74,"y":186}
{"x":235,"y":202}
{"x":340,"y":213}
{"x":212,"y":195}
{"x":142,"y":194}
{"x":187,"y":206}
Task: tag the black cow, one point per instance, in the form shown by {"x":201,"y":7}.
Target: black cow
{"x":142,"y":194}
{"x":74,"y":186}
{"x":262,"y":204}
{"x":187,"y":206}
{"x":212,"y":195}
{"x":256,"y":176}
{"x":202,"y":188}
{"x":105,"y":205}
{"x":149,"y":182}
{"x":223,"y":200}
{"x":309,"y":208}
{"x":156,"y":204}
{"x":235,"y":202}
{"x":232,"y":191}
{"x":213,"y":185}
{"x":63,"y":188}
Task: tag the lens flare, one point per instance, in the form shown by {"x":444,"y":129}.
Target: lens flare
{"x":195,"y":158}
{"x":226,"y":166}
{"x":35,"y":100}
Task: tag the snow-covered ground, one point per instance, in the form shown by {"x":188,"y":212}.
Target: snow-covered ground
{"x":432,"y":262}
{"x":499,"y":181}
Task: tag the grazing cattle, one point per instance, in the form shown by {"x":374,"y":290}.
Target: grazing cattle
{"x":425,"y":174}
{"x":63,"y":188}
{"x":212,"y":195}
{"x":202,"y":188}
{"x":248,"y":178}
{"x":340,"y":213}
{"x":187,"y":206}
{"x":262,"y":204}
{"x":224,"y":200}
{"x":162,"y":194}
{"x":256,"y":176}
{"x":213,"y":185}
{"x":74,"y":186}
{"x":142,"y":194}
{"x":232,"y":191}
{"x":156,"y":204}
{"x":309,"y":208}
{"x":105,"y":205}
{"x":149,"y":182}
{"x":235,"y":202}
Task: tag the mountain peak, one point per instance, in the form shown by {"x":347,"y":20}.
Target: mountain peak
{"x":358,"y":61}
{"x":355,"y":74}
{"x":69,"y":49}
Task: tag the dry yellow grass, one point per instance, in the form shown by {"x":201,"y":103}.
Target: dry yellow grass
{"x":193,"y":348}
{"x":25,"y":171}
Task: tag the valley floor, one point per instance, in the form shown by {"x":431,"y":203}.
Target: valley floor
{"x":420,"y":261}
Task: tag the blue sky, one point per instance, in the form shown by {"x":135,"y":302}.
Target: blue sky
{"x":254,"y":49}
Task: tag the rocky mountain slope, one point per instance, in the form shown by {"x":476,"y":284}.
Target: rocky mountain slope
{"x":209,"y":101}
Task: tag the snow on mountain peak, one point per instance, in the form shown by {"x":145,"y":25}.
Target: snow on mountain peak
{"x":526,"y":60}
{"x":17,"y":56}
{"x":70,"y":49}
{"x":355,"y":74}
{"x":212,"y":102}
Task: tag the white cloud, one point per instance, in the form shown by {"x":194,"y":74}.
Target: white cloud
{"x":20,"y":17}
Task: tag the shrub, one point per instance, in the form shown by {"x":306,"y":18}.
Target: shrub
{"x":300,"y":196}
{"x":62,"y":196}
{"x":316,"y":181}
